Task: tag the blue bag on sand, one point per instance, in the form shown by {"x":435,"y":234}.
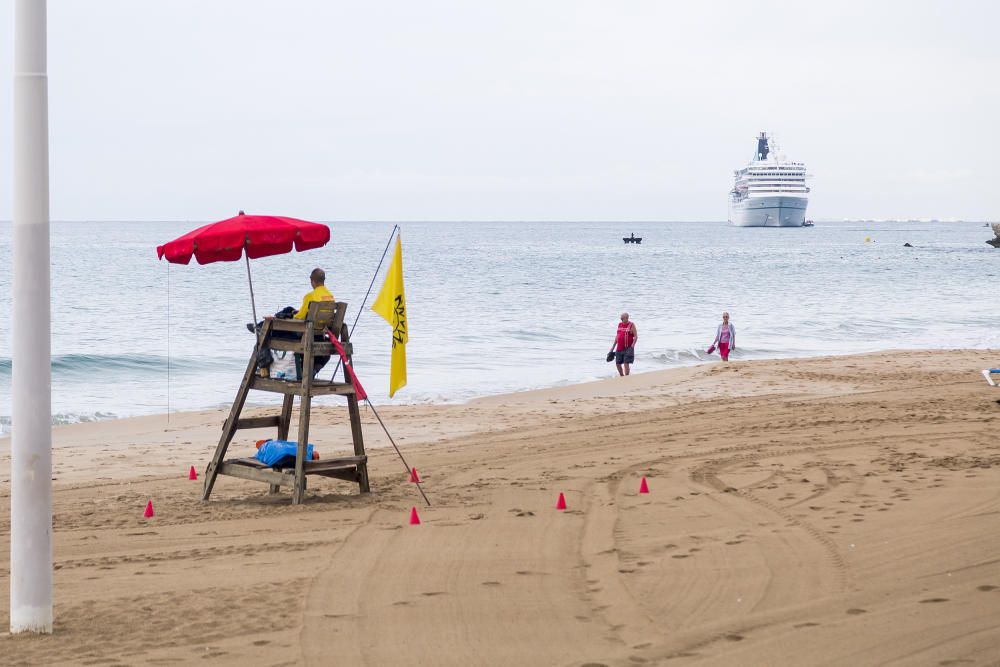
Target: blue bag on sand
{"x":281,"y":453}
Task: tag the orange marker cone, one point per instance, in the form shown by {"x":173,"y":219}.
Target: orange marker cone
{"x":148,"y":514}
{"x":414,"y":477}
{"x":192,"y":474}
{"x":414,"y":517}
{"x":643,"y":487}
{"x":561,"y":503}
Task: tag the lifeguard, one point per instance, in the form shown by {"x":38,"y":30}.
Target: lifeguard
{"x":319,"y":292}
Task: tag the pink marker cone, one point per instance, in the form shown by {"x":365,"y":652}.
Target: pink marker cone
{"x":643,"y":487}
{"x":414,"y":517}
{"x":561,"y":503}
{"x":414,"y":477}
{"x":192,"y":474}
{"x":148,"y":514}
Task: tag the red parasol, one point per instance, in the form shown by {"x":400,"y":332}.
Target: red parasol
{"x":259,"y":235}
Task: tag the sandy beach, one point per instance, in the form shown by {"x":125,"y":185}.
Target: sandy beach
{"x":826,"y":511}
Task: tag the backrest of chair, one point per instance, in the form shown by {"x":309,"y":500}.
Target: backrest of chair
{"x":327,"y":315}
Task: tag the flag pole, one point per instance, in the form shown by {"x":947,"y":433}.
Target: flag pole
{"x":374,"y":276}
{"x":31,"y":424}
{"x":367,"y":294}
{"x":389,"y":435}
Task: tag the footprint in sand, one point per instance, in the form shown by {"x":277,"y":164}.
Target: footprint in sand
{"x":986,"y":588}
{"x":808,"y":624}
{"x":934,"y":600}
{"x":854,"y":611}
{"x":491,"y":583}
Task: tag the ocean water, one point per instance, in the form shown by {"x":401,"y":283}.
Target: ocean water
{"x":498,"y":307}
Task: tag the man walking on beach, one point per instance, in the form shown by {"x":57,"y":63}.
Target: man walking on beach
{"x":624,"y":346}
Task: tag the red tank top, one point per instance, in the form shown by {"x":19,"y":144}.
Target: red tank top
{"x":625,"y":337}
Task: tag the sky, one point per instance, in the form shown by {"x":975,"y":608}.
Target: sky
{"x":511,"y":110}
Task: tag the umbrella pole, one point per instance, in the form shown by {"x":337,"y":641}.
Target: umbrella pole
{"x":253,"y":305}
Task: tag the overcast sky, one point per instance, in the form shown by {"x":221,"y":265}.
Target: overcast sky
{"x":510,"y":110}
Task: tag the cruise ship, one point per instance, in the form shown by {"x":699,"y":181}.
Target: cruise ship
{"x":770,"y":191}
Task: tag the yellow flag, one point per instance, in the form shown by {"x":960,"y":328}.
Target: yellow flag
{"x":391,"y":305}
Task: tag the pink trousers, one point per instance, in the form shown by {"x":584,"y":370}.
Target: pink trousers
{"x":724,"y":351}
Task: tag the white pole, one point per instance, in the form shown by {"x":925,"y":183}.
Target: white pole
{"x":31,"y":436}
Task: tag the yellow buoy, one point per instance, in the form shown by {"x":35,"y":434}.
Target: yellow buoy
{"x":868,"y":239}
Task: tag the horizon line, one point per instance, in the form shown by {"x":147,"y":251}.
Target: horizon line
{"x":517,"y":221}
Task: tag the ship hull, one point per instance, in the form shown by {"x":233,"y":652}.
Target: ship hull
{"x":768,"y":211}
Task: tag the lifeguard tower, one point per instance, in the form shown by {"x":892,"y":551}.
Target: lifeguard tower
{"x":309,"y":341}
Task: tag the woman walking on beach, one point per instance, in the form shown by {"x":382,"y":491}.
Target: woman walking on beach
{"x":725,"y":338}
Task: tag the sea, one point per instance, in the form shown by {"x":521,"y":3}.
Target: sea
{"x":497,"y":307}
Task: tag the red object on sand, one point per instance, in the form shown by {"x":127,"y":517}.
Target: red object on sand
{"x":561,"y":503}
{"x":192,"y":474}
{"x":260,"y":235}
{"x":414,"y":477}
{"x":643,"y":487}
{"x":414,"y":517}
{"x":148,"y":514}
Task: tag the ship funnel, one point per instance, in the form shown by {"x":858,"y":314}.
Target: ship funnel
{"x":762,"y":149}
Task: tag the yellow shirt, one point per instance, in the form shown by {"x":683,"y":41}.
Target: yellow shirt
{"x":320,"y":293}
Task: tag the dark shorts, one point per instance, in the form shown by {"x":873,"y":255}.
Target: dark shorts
{"x":626,"y":356}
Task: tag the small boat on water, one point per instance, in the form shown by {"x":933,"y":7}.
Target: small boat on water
{"x":808,"y":223}
{"x":632,"y":239}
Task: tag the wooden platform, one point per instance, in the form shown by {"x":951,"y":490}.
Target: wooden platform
{"x":322,"y":317}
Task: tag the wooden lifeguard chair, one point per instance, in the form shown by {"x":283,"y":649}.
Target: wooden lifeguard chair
{"x":322,"y":316}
